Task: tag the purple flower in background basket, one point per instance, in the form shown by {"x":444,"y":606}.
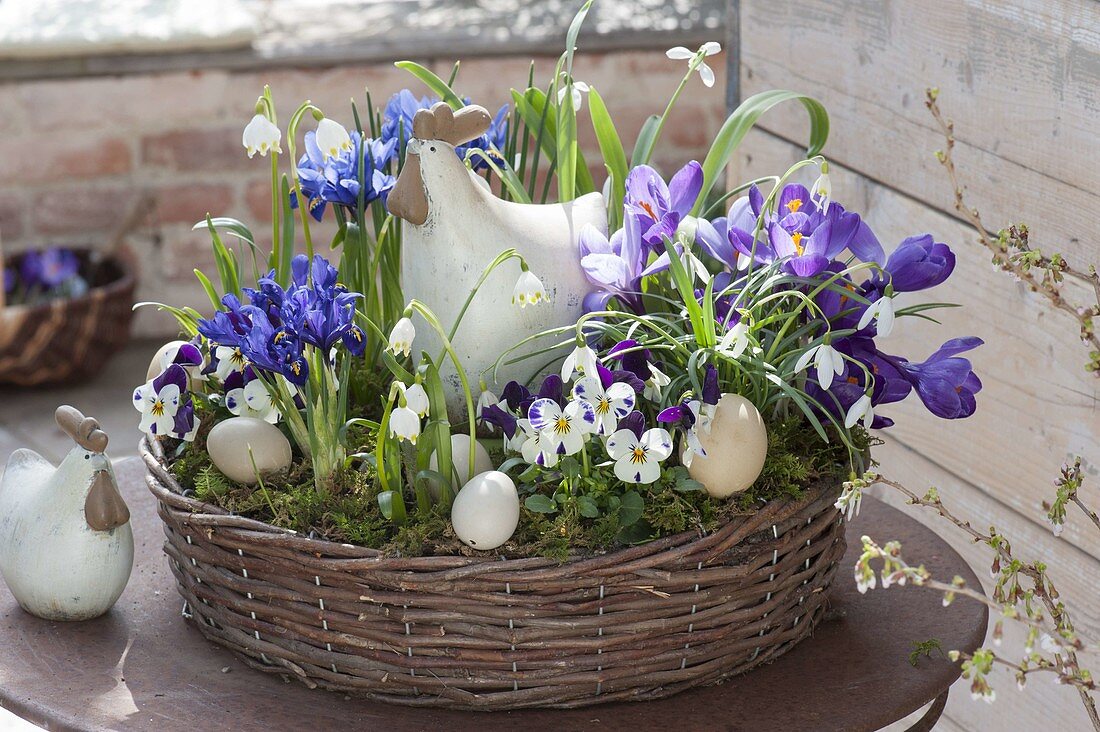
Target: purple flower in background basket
{"x":10,"y":279}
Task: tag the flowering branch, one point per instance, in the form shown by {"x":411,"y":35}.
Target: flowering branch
{"x":1013,"y":253}
{"x":1023,"y":593}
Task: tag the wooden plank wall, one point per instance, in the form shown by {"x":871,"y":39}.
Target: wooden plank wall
{"x":1021,"y":78}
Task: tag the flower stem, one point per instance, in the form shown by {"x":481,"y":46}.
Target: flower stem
{"x":429,"y":316}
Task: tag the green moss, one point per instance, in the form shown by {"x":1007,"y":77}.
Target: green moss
{"x":589,"y":517}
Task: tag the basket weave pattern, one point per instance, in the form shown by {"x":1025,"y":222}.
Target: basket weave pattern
{"x":67,"y":339}
{"x":490,"y":633}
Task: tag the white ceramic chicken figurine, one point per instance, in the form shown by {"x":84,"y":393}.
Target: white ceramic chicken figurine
{"x":66,"y":547}
{"x":455,"y":226}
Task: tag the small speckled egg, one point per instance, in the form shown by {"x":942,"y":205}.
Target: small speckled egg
{"x":485,"y":512}
{"x":229,"y":443}
{"x":460,"y":460}
{"x":736,"y":446}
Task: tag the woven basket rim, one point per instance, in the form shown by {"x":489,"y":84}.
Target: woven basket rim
{"x":207,"y":514}
{"x":119,"y":286}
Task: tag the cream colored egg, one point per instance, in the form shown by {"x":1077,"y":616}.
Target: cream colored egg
{"x":155,"y":367}
{"x":736,"y":446}
{"x":486,"y":511}
{"x":460,"y":460}
{"x":230,"y":441}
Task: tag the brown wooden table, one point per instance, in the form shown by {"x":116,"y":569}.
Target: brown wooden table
{"x":143,"y":667}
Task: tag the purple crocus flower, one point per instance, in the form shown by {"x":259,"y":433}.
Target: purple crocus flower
{"x":918,"y":263}
{"x":660,"y":207}
{"x":800,"y":231}
{"x":946,"y":383}
{"x":711,"y":392}
{"x":49,"y":268}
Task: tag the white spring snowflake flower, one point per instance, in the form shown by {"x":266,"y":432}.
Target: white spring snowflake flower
{"x":416,"y":398}
{"x":528,"y":290}
{"x":261,"y":136}
{"x":735,"y":341}
{"x":332,"y":138}
{"x":402,"y":336}
{"x":861,"y":410}
{"x":405,"y":424}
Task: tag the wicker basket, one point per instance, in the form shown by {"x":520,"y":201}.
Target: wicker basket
{"x":69,"y":339}
{"x":492,"y":633}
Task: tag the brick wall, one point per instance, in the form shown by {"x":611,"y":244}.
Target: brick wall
{"x":75,"y":153}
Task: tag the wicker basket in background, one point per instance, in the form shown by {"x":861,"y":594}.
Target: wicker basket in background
{"x":491,"y":633}
{"x":68,"y":340}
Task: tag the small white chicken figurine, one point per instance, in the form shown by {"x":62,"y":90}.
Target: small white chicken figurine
{"x":455,"y":226}
{"x":66,"y":547}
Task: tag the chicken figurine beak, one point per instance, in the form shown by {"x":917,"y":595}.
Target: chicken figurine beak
{"x":104,"y":508}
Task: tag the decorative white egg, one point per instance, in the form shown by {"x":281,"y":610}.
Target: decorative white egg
{"x":486,"y":511}
{"x":460,"y":460}
{"x":155,"y":367}
{"x":736,"y":446}
{"x":230,"y":441}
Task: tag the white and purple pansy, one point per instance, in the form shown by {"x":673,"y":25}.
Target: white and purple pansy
{"x":165,"y":406}
{"x":690,"y":415}
{"x":228,"y":359}
{"x":562,"y":431}
{"x":638,"y":459}
{"x":610,"y":404}
{"x":187,"y":355}
{"x":246,"y":395}
{"x":531,"y":443}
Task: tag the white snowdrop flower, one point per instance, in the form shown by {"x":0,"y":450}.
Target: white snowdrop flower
{"x":860,"y":411}
{"x":486,"y":399}
{"x":735,"y":341}
{"x":416,"y":398}
{"x":261,"y":136}
{"x":881,"y":310}
{"x":332,"y":138}
{"x":827,"y":361}
{"x":638,"y":459}
{"x":405,"y":424}
{"x":821,"y":192}
{"x":655,"y":385}
{"x":528,"y":290}
{"x":579,"y":90}
{"x":402,"y":336}
{"x":706,"y":73}
{"x":582,"y":360}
